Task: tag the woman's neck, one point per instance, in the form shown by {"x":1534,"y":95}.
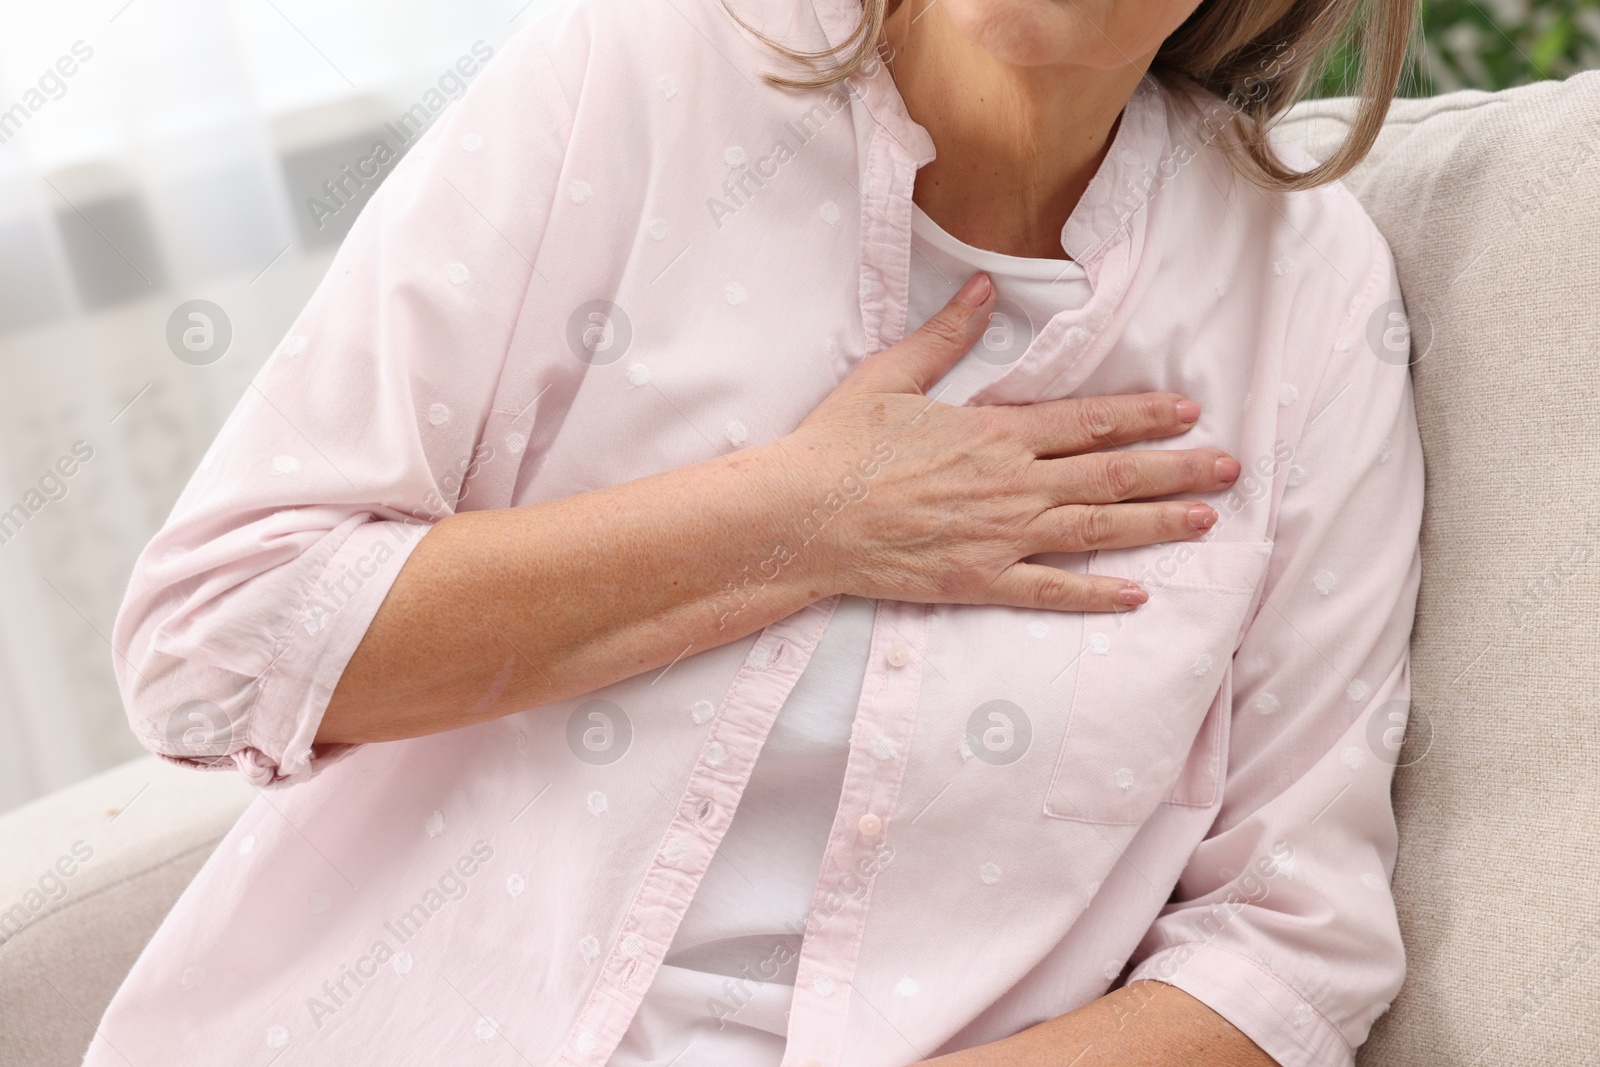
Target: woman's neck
{"x":1016,"y":145}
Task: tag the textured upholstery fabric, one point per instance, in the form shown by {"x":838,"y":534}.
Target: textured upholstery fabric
{"x":1491,"y":203}
{"x":132,"y":838}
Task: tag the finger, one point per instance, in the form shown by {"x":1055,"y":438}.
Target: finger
{"x":1082,"y":424}
{"x":1109,"y":477}
{"x":1034,"y":585}
{"x":1087,"y":527}
{"x":915,"y":363}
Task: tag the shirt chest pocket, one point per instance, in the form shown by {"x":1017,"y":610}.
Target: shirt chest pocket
{"x":1146,"y":680}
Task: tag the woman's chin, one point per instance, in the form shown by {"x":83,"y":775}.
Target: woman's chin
{"x":1039,"y":33}
{"x":1019,"y":42}
{"x":1023,"y":33}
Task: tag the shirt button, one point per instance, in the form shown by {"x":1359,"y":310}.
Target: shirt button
{"x":897,"y":655}
{"x":870,"y":824}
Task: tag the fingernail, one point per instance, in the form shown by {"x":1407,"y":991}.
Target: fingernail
{"x":1132,"y":595}
{"x":1188,"y":411}
{"x":975,"y":292}
{"x":1227,"y":469}
{"x":1201,"y":518}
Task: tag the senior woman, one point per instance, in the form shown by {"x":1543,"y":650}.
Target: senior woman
{"x":765,"y":681}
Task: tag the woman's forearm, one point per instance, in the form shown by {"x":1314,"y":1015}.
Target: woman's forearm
{"x":1143,"y":1024}
{"x":880,"y":492}
{"x":502,"y":610}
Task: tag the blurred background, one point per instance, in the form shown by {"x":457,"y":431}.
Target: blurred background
{"x":175,"y":176}
{"x":1489,"y":45}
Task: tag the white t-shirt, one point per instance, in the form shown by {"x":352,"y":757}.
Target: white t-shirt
{"x":721,"y":996}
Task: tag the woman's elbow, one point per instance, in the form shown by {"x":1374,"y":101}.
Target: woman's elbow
{"x":180,"y":706}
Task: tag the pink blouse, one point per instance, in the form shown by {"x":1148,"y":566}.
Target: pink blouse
{"x":622,"y":252}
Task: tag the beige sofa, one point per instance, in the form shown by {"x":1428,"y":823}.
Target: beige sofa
{"x":1492,"y":205}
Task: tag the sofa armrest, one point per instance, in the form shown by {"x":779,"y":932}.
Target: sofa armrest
{"x":86,"y":876}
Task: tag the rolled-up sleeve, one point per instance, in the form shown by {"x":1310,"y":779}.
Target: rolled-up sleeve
{"x":356,"y":435}
{"x":1283,"y":921}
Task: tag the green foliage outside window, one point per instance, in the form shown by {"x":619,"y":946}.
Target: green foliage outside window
{"x":1488,"y":44}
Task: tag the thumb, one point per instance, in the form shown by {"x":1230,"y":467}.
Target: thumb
{"x":919,"y":360}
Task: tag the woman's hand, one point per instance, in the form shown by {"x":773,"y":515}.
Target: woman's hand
{"x":944,"y":503}
{"x":879,"y":492}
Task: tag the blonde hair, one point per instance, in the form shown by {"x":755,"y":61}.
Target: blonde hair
{"x":1258,"y":56}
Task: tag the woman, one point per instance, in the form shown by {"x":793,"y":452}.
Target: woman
{"x":574,"y":474}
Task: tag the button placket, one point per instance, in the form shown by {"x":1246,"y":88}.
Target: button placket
{"x":819,"y":1013}
{"x":819,"y":1016}
{"x":688,"y":841}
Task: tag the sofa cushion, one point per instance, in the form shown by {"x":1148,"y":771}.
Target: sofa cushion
{"x":1491,"y":203}
{"x":89,"y":872}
